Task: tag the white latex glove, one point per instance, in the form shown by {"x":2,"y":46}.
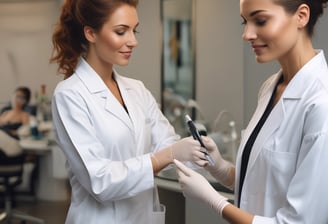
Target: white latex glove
{"x":221,"y":168}
{"x":196,"y":186}
{"x":187,"y":149}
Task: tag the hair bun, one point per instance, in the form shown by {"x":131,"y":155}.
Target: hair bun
{"x":324,"y":3}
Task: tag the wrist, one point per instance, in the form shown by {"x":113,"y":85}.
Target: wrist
{"x":218,"y":203}
{"x":222,"y":172}
{"x":161,"y":159}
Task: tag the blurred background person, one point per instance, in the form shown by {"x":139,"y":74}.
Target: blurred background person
{"x":15,"y":115}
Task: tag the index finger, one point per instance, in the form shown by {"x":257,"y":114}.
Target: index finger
{"x":185,"y":170}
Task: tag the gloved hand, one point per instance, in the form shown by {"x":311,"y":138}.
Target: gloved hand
{"x":187,"y":149}
{"x":196,"y":186}
{"x":221,"y":168}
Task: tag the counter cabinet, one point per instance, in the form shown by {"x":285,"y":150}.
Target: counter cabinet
{"x":181,"y":210}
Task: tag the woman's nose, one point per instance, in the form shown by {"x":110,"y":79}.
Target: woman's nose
{"x":132,"y":41}
{"x":249,"y":33}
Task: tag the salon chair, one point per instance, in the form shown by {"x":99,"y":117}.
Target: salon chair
{"x":27,"y":190}
{"x":11,"y":170}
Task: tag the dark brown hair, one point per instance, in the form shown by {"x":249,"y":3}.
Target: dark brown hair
{"x":26,"y":91}
{"x":316,"y":10}
{"x":68,"y":38}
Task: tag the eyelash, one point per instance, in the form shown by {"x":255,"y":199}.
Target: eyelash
{"x":261,"y":22}
{"x":121,"y":33}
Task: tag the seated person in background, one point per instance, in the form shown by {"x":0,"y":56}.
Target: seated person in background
{"x":15,"y":117}
{"x":14,"y":122}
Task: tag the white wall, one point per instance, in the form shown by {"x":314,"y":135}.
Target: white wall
{"x":219,"y":58}
{"x":219,"y":55}
{"x":227,"y":75}
{"x":25,"y":46}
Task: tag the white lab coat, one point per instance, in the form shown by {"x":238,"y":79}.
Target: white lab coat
{"x":286,"y":179}
{"x":107,"y":149}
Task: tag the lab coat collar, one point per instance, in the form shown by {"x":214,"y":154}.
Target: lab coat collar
{"x":305,"y":76}
{"x":90,"y":78}
{"x":96,"y":86}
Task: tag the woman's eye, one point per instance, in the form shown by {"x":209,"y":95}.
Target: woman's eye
{"x":120,"y":32}
{"x":261,"y":22}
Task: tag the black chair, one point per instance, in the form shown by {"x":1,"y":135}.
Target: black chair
{"x":11,"y":170}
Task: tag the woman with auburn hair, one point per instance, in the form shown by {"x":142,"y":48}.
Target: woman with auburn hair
{"x":109,"y":126}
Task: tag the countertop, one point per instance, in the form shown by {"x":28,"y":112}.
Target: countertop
{"x":167,"y":179}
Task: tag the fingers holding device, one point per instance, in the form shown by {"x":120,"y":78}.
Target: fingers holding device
{"x":195,"y":133}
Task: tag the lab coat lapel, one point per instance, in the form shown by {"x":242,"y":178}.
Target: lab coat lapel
{"x":262,"y":104}
{"x":97,"y":87}
{"x":113,"y":106}
{"x":272,"y":123}
{"x":129,"y":100}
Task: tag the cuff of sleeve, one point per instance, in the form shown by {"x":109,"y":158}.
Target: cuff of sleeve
{"x":262,"y":220}
{"x":223,"y":205}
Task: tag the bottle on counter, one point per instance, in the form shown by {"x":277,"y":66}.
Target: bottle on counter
{"x":227,"y":142}
{"x":34,"y":128}
{"x":43,"y":105}
{"x":233,"y":141}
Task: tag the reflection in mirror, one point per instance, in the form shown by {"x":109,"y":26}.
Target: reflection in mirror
{"x":178,"y":79}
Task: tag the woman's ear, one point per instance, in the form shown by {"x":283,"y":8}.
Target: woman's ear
{"x":303,"y":15}
{"x":89,"y":34}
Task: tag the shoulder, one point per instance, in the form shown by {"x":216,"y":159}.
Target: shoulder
{"x":69,"y":92}
{"x":69,"y":88}
{"x":70,"y":83}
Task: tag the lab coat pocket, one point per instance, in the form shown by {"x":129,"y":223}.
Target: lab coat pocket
{"x":159,"y":215}
{"x":158,"y":209}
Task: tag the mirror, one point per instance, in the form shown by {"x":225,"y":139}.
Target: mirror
{"x":178,"y":61}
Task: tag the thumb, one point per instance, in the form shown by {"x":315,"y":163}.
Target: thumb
{"x":182,"y":168}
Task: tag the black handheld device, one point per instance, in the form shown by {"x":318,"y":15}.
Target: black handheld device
{"x":195,"y":134}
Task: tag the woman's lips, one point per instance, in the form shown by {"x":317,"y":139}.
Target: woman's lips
{"x":257,"y":48}
{"x":126,"y":54}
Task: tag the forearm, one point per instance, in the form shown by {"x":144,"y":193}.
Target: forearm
{"x":235,"y":215}
{"x":161,"y":159}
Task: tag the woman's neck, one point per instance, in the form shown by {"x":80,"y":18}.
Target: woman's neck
{"x":102,"y":68}
{"x":296,"y":58}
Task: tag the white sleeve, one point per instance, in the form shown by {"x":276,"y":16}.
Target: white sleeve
{"x":163,"y":133}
